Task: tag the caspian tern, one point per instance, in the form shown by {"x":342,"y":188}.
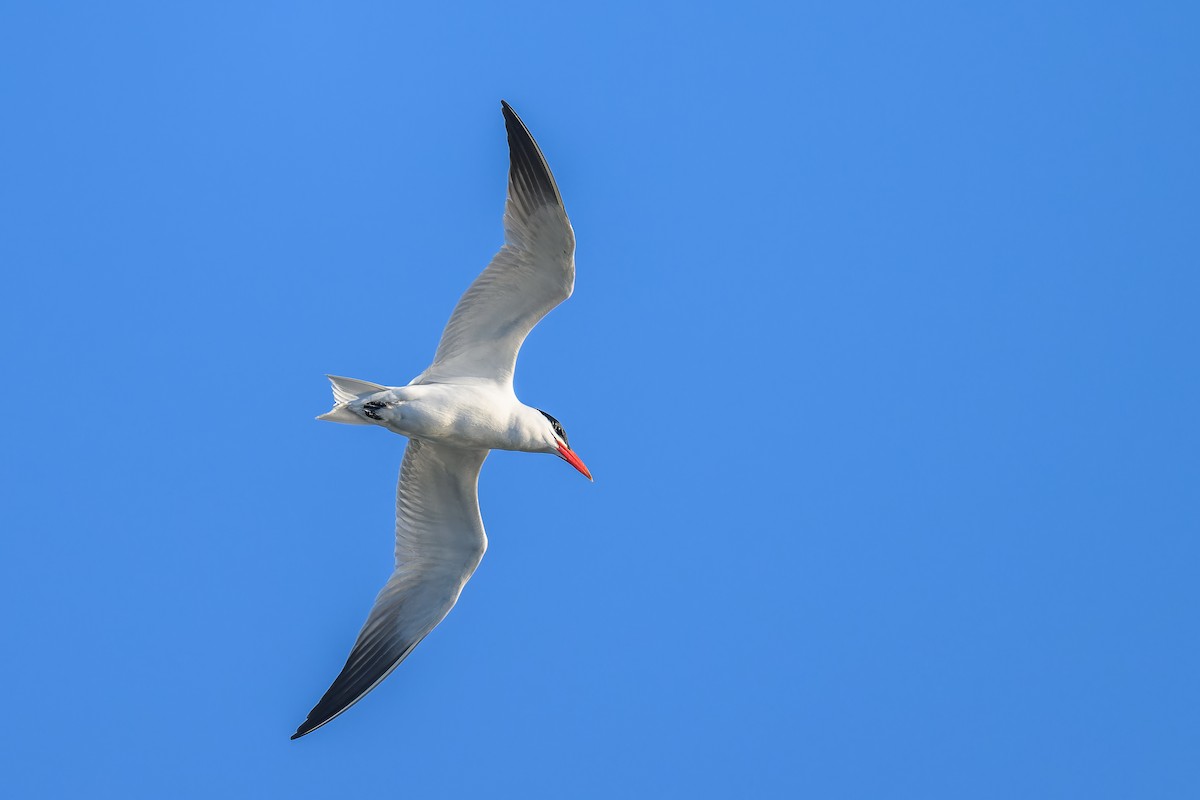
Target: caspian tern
{"x":453,"y":413}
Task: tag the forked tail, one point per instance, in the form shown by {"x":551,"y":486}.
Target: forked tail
{"x":345,"y":392}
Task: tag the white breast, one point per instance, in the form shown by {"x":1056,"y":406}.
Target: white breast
{"x":457,"y":415}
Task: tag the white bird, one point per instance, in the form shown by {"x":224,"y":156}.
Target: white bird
{"x":454,"y":412}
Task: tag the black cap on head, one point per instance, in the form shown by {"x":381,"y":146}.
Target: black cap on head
{"x":558,"y":428}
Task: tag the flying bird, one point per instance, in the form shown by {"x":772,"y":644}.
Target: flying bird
{"x":456,"y":411}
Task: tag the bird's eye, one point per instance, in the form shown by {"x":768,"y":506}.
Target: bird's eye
{"x":558,"y":428}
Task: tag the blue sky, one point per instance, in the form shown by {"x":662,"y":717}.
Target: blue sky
{"x":883,"y":353}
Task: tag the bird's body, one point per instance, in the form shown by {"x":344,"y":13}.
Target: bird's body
{"x":454,"y":413}
{"x":481,"y":414}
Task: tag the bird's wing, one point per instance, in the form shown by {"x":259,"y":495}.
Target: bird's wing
{"x":532,"y":273}
{"x":439,"y":542}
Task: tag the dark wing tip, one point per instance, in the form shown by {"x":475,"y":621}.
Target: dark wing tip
{"x":529,"y":177}
{"x":371,"y":660}
{"x":311,"y":724}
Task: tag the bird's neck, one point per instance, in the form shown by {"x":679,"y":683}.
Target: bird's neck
{"x":528,"y":430}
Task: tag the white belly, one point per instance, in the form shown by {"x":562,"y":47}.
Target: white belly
{"x":464,"y":416}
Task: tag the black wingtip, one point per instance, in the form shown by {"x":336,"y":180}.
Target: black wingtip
{"x":529,"y":175}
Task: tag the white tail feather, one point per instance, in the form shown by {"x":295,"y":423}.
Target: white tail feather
{"x":345,"y":415}
{"x":346,"y":391}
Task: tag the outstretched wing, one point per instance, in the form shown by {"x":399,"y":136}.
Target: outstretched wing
{"x":532,"y":273}
{"x":439,"y":543}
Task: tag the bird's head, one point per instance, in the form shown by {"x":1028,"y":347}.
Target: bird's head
{"x":556,"y":439}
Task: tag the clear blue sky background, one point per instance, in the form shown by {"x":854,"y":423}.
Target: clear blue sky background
{"x":883,"y":352}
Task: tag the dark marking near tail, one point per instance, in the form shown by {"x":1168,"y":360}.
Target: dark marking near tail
{"x":370,"y":408}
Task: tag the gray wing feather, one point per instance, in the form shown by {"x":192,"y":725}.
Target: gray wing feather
{"x":532,"y":273}
{"x":439,"y":543}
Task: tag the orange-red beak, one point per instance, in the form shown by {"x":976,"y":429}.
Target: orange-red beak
{"x":572,"y":459}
